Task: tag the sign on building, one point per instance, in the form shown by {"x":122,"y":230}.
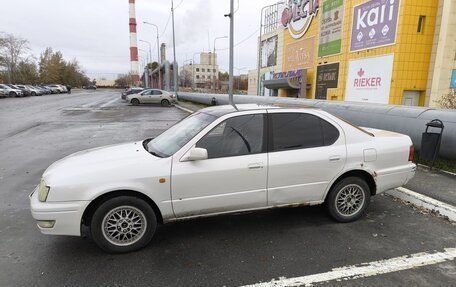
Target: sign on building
{"x":298,"y":15}
{"x":374,"y":24}
{"x":300,"y":54}
{"x":331,"y":28}
{"x":453,"y":80}
{"x":327,"y":78}
{"x":369,"y":80}
{"x":269,"y":52}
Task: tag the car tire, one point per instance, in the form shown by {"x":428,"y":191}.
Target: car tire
{"x":113,"y":227}
{"x":165,"y":103}
{"x":135,"y":102}
{"x":33,"y":94}
{"x":348,"y":199}
{"x":12,"y":94}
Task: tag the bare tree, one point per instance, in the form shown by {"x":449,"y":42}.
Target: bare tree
{"x":12,"y":50}
{"x":448,"y":101}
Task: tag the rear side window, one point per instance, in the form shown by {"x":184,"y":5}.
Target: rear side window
{"x":299,"y":130}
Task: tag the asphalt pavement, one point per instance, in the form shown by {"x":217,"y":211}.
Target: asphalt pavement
{"x":230,"y":250}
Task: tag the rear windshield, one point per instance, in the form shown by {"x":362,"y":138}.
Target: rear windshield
{"x":356,"y":127}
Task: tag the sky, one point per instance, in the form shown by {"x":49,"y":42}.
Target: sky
{"x":96,"y":32}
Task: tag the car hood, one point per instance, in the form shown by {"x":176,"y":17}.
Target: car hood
{"x":96,"y":162}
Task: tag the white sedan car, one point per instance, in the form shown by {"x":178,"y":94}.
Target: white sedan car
{"x":220,"y":160}
{"x":152,"y":96}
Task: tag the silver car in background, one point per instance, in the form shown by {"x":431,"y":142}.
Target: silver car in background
{"x":152,"y":96}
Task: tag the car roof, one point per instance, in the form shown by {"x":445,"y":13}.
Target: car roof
{"x":219,"y":111}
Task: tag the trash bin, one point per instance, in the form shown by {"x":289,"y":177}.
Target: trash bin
{"x":430,"y":141}
{"x":214,"y":101}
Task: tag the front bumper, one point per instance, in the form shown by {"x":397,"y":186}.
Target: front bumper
{"x":66,"y":215}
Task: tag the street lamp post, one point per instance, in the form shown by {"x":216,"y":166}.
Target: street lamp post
{"x":158,"y":52}
{"x":150,"y":54}
{"x":174,"y":50}
{"x":146,"y":74}
{"x":213,"y":60}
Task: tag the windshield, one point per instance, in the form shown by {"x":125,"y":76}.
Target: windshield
{"x":178,"y":135}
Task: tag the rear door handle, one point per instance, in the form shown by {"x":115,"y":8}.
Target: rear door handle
{"x":255,"y":165}
{"x":334,"y":158}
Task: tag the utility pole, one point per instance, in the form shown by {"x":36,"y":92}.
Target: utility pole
{"x":175,"y":74}
{"x":158,"y":52}
{"x":149,"y":60}
{"x":230,"y":83}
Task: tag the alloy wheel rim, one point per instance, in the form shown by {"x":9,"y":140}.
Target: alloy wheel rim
{"x":350,"y":200}
{"x":124,"y":225}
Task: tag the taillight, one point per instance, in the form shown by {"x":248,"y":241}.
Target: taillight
{"x":411,"y":153}
{"x":173,"y":96}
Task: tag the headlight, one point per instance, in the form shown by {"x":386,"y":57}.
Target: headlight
{"x":43,"y":191}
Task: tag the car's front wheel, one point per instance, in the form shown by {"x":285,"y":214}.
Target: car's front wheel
{"x":123,"y":224}
{"x":12,"y":94}
{"x":135,"y":102}
{"x":348,"y":199}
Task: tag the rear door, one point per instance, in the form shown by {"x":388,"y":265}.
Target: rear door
{"x":157,"y":96}
{"x":306,"y":152}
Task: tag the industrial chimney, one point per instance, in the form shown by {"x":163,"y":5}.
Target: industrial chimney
{"x":133,"y":43}
{"x":162,"y":53}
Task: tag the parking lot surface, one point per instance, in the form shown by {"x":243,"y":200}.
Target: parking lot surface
{"x":231,"y":250}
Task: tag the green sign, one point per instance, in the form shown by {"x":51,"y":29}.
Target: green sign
{"x":331,"y":28}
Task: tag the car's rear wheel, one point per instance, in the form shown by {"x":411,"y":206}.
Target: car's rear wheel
{"x":165,"y":103}
{"x":123,"y":224}
{"x":135,"y":102}
{"x":348,"y":199}
{"x":33,"y":94}
{"x":12,"y":94}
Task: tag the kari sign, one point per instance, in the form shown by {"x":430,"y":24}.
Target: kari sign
{"x":369,"y":80}
{"x":327,"y":78}
{"x":331,"y":28}
{"x":298,"y":15}
{"x":374,"y":24}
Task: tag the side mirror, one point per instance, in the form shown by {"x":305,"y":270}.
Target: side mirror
{"x":195,"y":153}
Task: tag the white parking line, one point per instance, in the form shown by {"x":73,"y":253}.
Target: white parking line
{"x":366,"y":269}
{"x":110,"y":102}
{"x":424,"y":201}
{"x":184,"y":109}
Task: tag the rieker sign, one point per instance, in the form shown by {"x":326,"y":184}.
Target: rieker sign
{"x":369,"y":79}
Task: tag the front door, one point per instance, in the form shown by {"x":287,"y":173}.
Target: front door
{"x":233,"y":177}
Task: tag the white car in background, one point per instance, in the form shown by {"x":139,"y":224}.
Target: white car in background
{"x":8,"y":91}
{"x":220,"y":160}
{"x":152,"y":96}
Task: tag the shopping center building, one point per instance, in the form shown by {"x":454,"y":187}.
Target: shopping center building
{"x":378,"y":51}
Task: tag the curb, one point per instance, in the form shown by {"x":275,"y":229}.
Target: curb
{"x":184,"y":109}
{"x":440,"y":170}
{"x":426,"y":202}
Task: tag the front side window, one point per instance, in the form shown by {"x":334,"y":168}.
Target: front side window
{"x":300,"y":130}
{"x":236,"y":136}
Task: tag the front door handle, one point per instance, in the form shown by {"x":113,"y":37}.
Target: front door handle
{"x":255,"y":165}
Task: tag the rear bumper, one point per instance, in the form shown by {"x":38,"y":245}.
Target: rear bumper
{"x":66,"y":215}
{"x":387,"y":179}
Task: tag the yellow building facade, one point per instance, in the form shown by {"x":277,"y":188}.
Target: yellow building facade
{"x":393,"y":62}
